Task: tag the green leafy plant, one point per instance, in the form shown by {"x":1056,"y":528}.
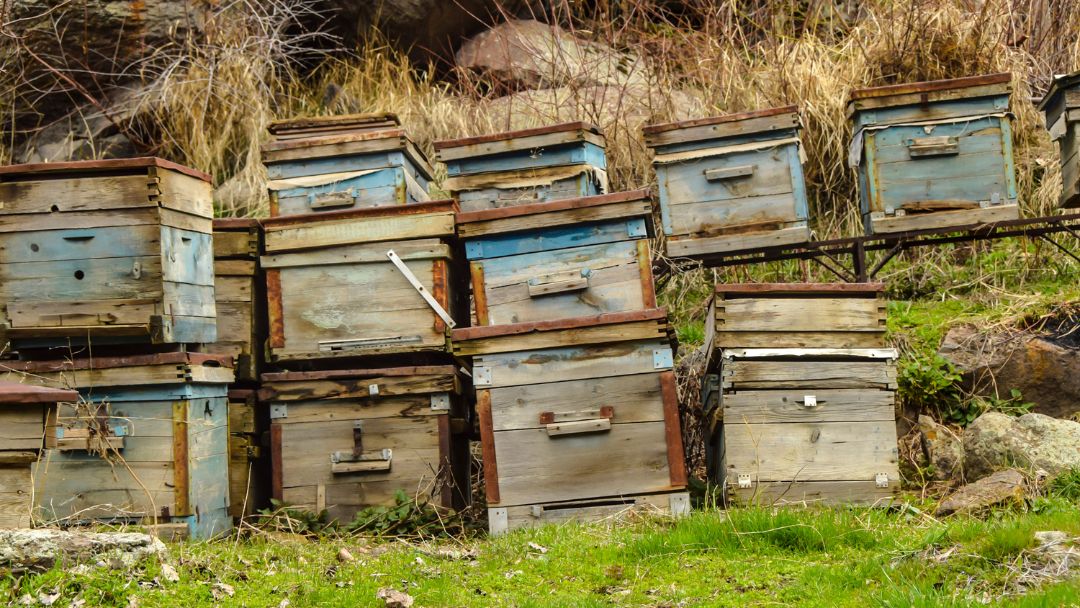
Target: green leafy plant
{"x":931,"y":383}
{"x":1013,"y":406}
{"x":1066,"y":485}
{"x":406,"y":517}
{"x":284,"y":518}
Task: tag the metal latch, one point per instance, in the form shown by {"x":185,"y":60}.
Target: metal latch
{"x":745,"y":482}
{"x":481,"y":376}
{"x":662,"y":358}
{"x":882,"y":480}
{"x":809,"y":401}
{"x":279,"y":410}
{"x":440,"y":402}
{"x":373,"y":390}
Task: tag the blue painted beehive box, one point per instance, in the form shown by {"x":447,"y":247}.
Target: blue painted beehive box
{"x":148,"y":441}
{"x":1061,"y":106}
{"x":560,"y":259}
{"x":524,"y":167}
{"x":934,"y":155}
{"x":113,"y":251}
{"x":343,"y":162}
{"x":730,"y":183}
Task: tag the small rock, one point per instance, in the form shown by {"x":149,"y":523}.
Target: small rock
{"x":995,"y":489}
{"x":169,"y":573}
{"x":942,"y":447}
{"x":221,"y":590}
{"x":345,"y":556}
{"x":1050,"y":538}
{"x":1032,"y":441}
{"x":22,"y":550}
{"x":394,"y":598}
{"x":536,"y":547}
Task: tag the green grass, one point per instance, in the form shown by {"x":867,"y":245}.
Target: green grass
{"x":742,"y":557}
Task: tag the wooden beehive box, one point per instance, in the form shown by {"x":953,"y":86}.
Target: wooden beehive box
{"x":560,"y":259}
{"x":25,"y":412}
{"x":249,"y":462}
{"x":934,"y":154}
{"x":148,"y":441}
{"x":578,"y":417}
{"x":730,"y":183}
{"x":240,"y":290}
{"x":809,"y":425}
{"x":343,"y":440}
{"x":333,"y":291}
{"x":1061,"y":107}
{"x":343,"y":162}
{"x":117,"y":250}
{"x":523,"y":167}
{"x":797,"y":315}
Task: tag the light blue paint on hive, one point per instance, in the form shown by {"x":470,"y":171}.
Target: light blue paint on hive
{"x":551,"y":239}
{"x":386,"y":185}
{"x":577,"y":153}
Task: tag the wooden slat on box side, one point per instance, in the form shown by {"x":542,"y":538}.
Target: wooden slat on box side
{"x":833,"y":405}
{"x":771,"y":374}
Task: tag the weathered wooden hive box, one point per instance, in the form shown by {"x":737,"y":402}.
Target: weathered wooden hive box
{"x":578,"y":417}
{"x":343,"y":162}
{"x":25,"y":412}
{"x":559,"y":259}
{"x":148,"y":441}
{"x":249,"y":462}
{"x":522,"y":167}
{"x":809,"y":425}
{"x":1061,"y":107}
{"x":934,"y":154}
{"x":731,"y":182}
{"x":117,"y":250}
{"x":797,"y":315}
{"x":334,"y":290}
{"x":241,"y":295}
{"x":343,"y":440}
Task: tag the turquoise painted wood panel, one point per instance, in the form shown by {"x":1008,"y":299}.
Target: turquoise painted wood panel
{"x":208,"y":485}
{"x":187,"y":257}
{"x":578,"y":186}
{"x":554,"y":156}
{"x":555,"y":238}
{"x":385,"y":187}
{"x":938,"y":110}
{"x":341,"y":164}
{"x":57,"y":245}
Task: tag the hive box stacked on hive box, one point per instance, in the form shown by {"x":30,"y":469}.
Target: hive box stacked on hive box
{"x":560,"y":259}
{"x":241,"y":295}
{"x":334,"y":290}
{"x":25,"y":411}
{"x":148,"y":441}
{"x":249,"y":462}
{"x":343,"y":162}
{"x":1061,"y":107}
{"x":578,"y":417}
{"x":801,"y":394}
{"x":343,"y":440}
{"x":117,"y":251}
{"x":934,"y":154}
{"x":522,"y":167}
{"x":730,"y":183}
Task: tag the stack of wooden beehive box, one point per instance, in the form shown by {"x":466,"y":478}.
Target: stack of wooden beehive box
{"x":106,"y":283}
{"x":801,"y":394}
{"x":1061,"y":107}
{"x":361,"y":274}
{"x":571,"y":359}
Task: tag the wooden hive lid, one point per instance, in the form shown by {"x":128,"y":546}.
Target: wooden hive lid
{"x":345,"y":143}
{"x":914,"y":93}
{"x":576,"y":331}
{"x":800,"y":289}
{"x":561,"y":212}
{"x":14,"y":392}
{"x":1061,"y":83}
{"x":524,"y":139}
{"x":358,"y":383}
{"x":306,"y":125}
{"x":81,"y":168}
{"x":729,"y":125}
{"x":239,"y":224}
{"x":114,"y":362}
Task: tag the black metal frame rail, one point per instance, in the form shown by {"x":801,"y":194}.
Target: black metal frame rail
{"x":828,"y":253}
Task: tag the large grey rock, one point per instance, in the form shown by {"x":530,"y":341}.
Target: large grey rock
{"x":41,"y":549}
{"x":1045,"y":370}
{"x":999,"y":488}
{"x":943,"y":449}
{"x":1033,"y":441}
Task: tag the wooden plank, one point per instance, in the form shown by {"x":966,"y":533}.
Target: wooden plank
{"x":579,"y":203}
{"x":642,"y":330}
{"x":962,"y":219}
{"x":357,"y":408}
{"x":565,"y":217}
{"x":16,"y":502}
{"x":490,"y":461}
{"x":97,"y":166}
{"x":756,"y":128}
{"x":809,"y":493}
{"x":797,"y":451}
{"x":60,"y":245}
{"x":732,"y":290}
{"x":719,"y":120}
{"x":773,"y":374}
{"x":349,"y":232}
{"x":570,"y":363}
{"x":365,"y":120}
{"x":690,"y":247}
{"x":534,"y":142}
{"x":12,"y":393}
{"x":417,"y":249}
{"x":338,"y":145}
{"x":634,"y":398}
{"x":820,"y":314}
{"x":568,"y":127}
{"x":103,"y":362}
{"x":776,"y":406}
{"x":587,"y":510}
{"x":673,"y":430}
{"x":615,"y":318}
{"x":916,"y":88}
{"x":711,"y":218}
{"x":371,"y":387}
{"x":235,"y":243}
{"x":803,"y":339}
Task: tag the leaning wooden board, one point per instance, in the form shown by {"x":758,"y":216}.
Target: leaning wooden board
{"x":730,"y":183}
{"x":808,"y":425}
{"x":117,"y":250}
{"x":333,"y":291}
{"x":560,"y":259}
{"x":26,"y":411}
{"x":240,"y":290}
{"x":524,"y":167}
{"x":147,"y":442}
{"x":1061,"y":108}
{"x":344,"y":440}
{"x":934,"y":154}
{"x":796,"y":315}
{"x":576,"y":415}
